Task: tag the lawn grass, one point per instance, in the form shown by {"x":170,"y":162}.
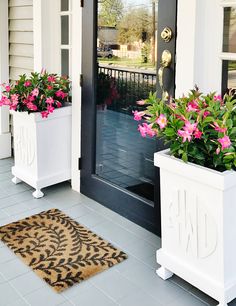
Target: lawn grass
{"x":126,"y":62}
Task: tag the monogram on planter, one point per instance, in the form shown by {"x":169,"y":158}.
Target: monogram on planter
{"x":41,"y":129}
{"x":198,"y":189}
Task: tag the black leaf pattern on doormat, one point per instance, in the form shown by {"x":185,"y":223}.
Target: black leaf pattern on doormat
{"x":59,"y":250}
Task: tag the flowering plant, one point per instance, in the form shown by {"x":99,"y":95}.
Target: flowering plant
{"x":198,"y":128}
{"x":41,"y":92}
{"x":106,"y":89}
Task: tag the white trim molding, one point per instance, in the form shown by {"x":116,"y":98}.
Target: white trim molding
{"x":5,"y":135}
{"x":76,"y":91}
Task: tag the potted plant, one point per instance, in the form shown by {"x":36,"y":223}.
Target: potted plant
{"x":198,"y":189}
{"x":106,"y":90}
{"x":41,"y":129}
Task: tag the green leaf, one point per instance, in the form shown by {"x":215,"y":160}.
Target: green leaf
{"x":208,"y":119}
{"x":185,"y":157}
{"x":169,"y":132}
{"x":229,"y":123}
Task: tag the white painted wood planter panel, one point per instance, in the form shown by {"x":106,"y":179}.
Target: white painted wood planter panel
{"x":42,"y":148}
{"x":21,"y":12}
{"x":15,"y":72}
{"x":198,"y":209}
{"x":21,"y":25}
{"x":21,"y":50}
{"x":20,"y":3}
{"x":22,"y":62}
{"x":21,"y":37}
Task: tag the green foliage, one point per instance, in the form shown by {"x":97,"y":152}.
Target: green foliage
{"x":110,"y":12}
{"x":133,"y":25}
{"x":145,"y":52}
{"x":198,"y":128}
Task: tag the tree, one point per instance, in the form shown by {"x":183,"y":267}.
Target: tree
{"x":110,"y":12}
{"x":134,"y":26}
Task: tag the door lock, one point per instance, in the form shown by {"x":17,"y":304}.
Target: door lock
{"x":166,"y":34}
{"x":166,"y":60}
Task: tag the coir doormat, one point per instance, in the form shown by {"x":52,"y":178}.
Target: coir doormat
{"x":59,"y":250}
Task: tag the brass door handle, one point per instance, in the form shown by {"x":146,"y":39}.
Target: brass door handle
{"x":166,"y":60}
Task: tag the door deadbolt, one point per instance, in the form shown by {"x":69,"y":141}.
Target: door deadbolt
{"x":166,"y":34}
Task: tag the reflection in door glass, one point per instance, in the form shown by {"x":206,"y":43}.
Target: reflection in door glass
{"x":126,"y":56}
{"x":229,"y":77}
{"x":229,"y":39}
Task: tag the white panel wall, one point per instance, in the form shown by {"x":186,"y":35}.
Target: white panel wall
{"x":199,"y":43}
{"x":21,"y":49}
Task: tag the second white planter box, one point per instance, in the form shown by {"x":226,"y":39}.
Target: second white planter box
{"x":42,"y":148}
{"x":198,"y":215}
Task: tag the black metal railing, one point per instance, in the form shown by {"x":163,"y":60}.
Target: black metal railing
{"x":131,"y":85}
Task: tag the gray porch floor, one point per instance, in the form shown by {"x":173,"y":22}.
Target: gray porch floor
{"x":131,"y":283}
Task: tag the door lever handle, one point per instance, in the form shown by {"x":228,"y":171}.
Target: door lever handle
{"x":166,"y":60}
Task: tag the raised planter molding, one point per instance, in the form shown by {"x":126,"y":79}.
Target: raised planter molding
{"x":198,"y":226}
{"x":42,"y":148}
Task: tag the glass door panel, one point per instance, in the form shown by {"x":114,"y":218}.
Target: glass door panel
{"x":126,"y":61}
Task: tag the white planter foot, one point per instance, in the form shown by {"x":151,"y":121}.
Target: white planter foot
{"x":222,"y":304}
{"x":38,"y":194}
{"x":164,"y":273}
{"x":16,"y":180}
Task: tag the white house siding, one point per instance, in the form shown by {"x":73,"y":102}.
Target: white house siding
{"x":20,"y":37}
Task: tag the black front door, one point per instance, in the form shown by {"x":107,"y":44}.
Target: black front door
{"x":128,"y":51}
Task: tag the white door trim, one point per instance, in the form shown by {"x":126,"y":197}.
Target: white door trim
{"x":76,"y":31}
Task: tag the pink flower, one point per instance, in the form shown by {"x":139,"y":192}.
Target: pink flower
{"x":31,"y":106}
{"x":192,"y":106}
{"x":225,"y":142}
{"x":218,"y":151}
{"x":50,"y":100}
{"x":14,"y":98}
{"x":59,"y":104}
{"x":51,"y":79}
{"x":49,"y":87}
{"x":138,"y":115}
{"x":162,"y":121}
{"x":35,"y":92}
{"x":197,"y":134}
{"x":218,"y":98}
{"x":13,"y":107}
{"x":27,"y":84}
{"x":4,"y":101}
{"x":60,"y":94}
{"x":190,"y":127}
{"x":44,"y":114}
{"x":185,"y":135}
{"x":205,"y":114}
{"x":146,"y":129}
{"x":218,"y":128}
{"x":50,"y":108}
{"x":140,"y":102}
{"x":30,"y":98}
{"x":7,"y":88}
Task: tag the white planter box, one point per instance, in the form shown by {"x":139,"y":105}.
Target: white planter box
{"x":198,"y":214}
{"x":42,"y":148}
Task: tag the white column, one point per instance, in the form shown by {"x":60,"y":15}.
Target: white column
{"x":198,"y":46}
{"x":5,"y":136}
{"x":46,"y":35}
{"x":76,"y":91}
